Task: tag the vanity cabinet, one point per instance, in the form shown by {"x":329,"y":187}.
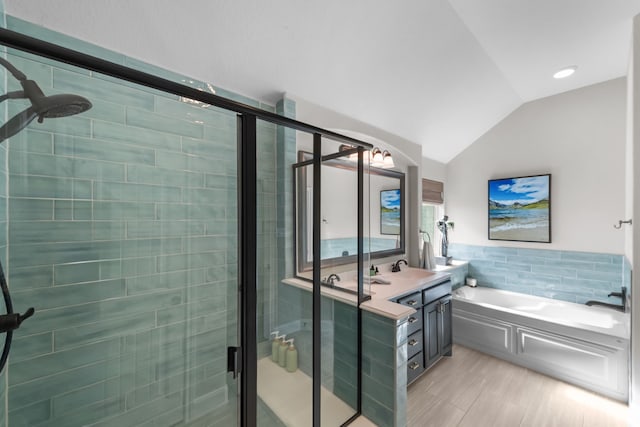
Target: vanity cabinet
{"x":437,"y":330}
{"x":429,"y":329}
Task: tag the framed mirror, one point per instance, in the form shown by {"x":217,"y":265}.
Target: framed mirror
{"x":385,"y":209}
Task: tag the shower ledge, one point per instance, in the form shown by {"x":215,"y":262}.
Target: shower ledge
{"x":288,"y":395}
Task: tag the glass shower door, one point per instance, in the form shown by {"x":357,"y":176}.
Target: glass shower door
{"x":307,"y":333}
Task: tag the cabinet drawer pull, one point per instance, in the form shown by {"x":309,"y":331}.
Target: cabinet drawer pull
{"x":414,"y":365}
{"x":413,"y":343}
{"x":413,"y":319}
{"x":412,"y":302}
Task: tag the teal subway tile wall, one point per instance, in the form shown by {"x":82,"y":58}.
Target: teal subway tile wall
{"x":122,"y":228}
{"x":3,"y":240}
{"x":384,"y":370}
{"x":564,"y":275}
{"x":3,"y":216}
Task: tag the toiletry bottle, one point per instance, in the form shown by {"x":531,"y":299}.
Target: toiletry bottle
{"x":282,"y":353}
{"x":292,"y":358}
{"x":274,"y":346}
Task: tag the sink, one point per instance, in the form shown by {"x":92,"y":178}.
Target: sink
{"x":409,"y":273}
{"x":354,"y":288}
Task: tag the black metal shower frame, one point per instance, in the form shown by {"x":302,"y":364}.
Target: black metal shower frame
{"x":246,"y":355}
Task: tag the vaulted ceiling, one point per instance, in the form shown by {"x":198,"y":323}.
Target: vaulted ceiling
{"x":439,"y":73}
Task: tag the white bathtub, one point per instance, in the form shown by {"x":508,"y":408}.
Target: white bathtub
{"x":587,"y":346}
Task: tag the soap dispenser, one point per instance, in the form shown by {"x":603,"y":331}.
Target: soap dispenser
{"x":282,"y":350}
{"x":292,"y":358}
{"x":274,"y":346}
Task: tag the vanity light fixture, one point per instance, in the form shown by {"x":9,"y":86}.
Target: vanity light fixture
{"x":565,"y":72}
{"x":376,"y":157}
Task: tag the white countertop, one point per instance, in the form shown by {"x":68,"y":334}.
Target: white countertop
{"x":405,"y":282}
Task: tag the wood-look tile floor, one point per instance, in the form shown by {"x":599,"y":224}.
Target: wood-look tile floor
{"x":472,"y":389}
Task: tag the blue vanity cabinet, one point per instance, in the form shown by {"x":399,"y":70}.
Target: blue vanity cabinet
{"x":446,"y":311}
{"x":429,"y":329}
{"x":438,"y":337}
{"x":432,"y":325}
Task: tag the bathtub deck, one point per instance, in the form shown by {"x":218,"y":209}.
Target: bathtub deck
{"x":477,"y":390}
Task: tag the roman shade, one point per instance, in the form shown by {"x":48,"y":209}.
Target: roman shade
{"x":432,"y":191}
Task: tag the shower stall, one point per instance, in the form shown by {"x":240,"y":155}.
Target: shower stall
{"x":151,"y":226}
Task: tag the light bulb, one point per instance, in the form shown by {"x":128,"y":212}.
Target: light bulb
{"x":387,"y":161}
{"x":376,"y":157}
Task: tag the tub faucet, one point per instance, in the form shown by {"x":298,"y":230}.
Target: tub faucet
{"x":605,"y":304}
{"x":622,"y":307}
{"x":395,"y":267}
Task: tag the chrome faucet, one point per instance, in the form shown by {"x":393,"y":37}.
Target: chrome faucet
{"x":331,"y":279}
{"x":622,"y":307}
{"x":395,"y":267}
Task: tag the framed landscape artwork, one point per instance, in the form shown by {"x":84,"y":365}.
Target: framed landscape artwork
{"x":520,"y":209}
{"x":390,"y":211}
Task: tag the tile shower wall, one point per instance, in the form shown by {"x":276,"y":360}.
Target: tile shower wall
{"x":564,"y":275}
{"x":122,"y":232}
{"x":267,"y":261}
{"x":3,"y":243}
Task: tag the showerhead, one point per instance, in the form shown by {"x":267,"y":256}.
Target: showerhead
{"x":55,"y":106}
{"x":42,"y":106}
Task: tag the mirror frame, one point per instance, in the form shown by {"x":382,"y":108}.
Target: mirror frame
{"x":300,"y":201}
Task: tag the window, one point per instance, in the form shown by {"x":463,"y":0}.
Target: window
{"x":432,"y":210}
{"x":430,"y":214}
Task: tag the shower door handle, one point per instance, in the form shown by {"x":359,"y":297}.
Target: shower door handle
{"x":234,"y":360}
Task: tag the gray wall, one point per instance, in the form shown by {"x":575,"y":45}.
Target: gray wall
{"x":633,"y":205}
{"x":578,"y":137}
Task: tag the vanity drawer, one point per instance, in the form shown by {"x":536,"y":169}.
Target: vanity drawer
{"x":414,"y":344}
{"x":414,"y":300}
{"x":437,"y":292}
{"x":415,"y":366}
{"x":414,"y":323}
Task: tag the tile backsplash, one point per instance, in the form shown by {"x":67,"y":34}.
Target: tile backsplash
{"x":564,"y":275}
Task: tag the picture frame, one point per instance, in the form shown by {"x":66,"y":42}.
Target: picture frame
{"x":390,"y":211}
{"x":519,"y":209}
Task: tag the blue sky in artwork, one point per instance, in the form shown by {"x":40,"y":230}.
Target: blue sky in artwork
{"x":519,"y":190}
{"x":390,"y":199}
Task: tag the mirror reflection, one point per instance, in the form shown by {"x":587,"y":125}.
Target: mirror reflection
{"x":338,"y":229}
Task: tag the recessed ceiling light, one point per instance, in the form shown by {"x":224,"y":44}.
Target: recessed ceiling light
{"x":565,"y":72}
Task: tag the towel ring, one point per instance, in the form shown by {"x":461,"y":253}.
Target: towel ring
{"x":428,"y":235}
